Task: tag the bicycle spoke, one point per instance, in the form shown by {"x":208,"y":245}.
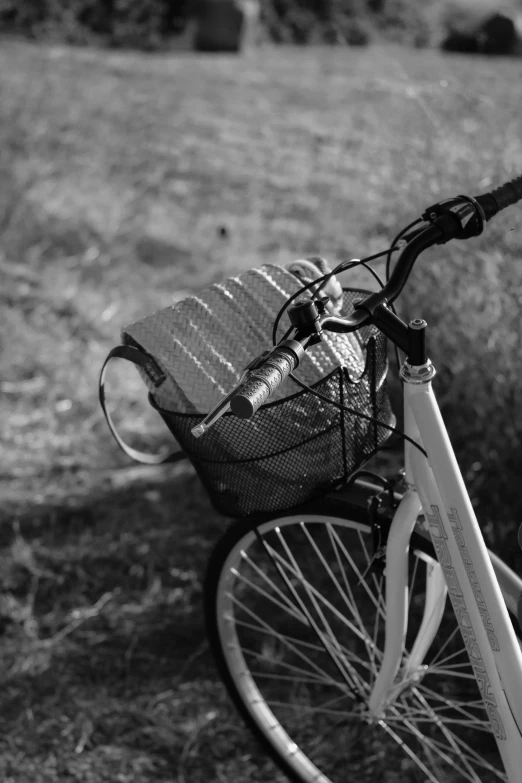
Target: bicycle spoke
{"x":342,"y":618}
{"x":347,"y":596}
{"x":442,"y":752}
{"x":456,"y":742}
{"x":349,"y":674}
{"x":287,"y":606}
{"x":449,"y":703}
{"x":448,"y":640}
{"x":361,"y":542}
{"x":350,"y":600}
{"x":374,"y":577}
{"x":440,"y":668}
{"x":408,"y":751}
{"x":374,"y":648}
{"x":377,"y":582}
{"x":298,"y":672}
{"x":471,"y":757}
{"x":444,"y":706}
{"x":327,"y":636}
{"x":270,"y":632}
{"x":412,"y":585}
{"x":302,"y":710}
{"x":478,"y":702}
{"x":262,"y":575}
{"x":357,"y":572}
{"x":460,"y":747}
{"x":284,"y":641}
{"x":420,"y":716}
{"x":459,"y":675}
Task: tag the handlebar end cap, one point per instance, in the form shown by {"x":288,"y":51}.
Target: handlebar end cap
{"x":241,"y":407}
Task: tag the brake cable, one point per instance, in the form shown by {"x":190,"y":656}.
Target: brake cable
{"x":344,"y":266}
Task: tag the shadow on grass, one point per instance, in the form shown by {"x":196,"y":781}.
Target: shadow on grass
{"x":105,"y":665}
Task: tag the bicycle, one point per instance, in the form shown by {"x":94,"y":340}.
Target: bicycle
{"x":331,"y":624}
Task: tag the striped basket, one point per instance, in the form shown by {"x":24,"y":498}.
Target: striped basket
{"x":297,"y":446}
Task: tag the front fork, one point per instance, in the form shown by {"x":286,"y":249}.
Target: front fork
{"x":386,"y":688}
{"x":397,"y":602}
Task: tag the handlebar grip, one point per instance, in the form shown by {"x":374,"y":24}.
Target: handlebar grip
{"x":501,"y":197}
{"x":265,"y":379}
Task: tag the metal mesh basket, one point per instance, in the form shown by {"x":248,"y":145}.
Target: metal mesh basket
{"x":296,"y":449}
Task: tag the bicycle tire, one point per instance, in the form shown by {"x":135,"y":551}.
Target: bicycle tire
{"x":243,"y":687}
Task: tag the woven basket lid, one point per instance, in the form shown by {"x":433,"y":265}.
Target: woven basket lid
{"x":204,"y":342}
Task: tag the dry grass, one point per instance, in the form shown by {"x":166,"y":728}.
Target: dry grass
{"x":118,"y":172}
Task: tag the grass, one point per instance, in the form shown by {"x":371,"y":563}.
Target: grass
{"x":118,"y":173}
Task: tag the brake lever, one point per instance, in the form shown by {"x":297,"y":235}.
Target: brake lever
{"x":224,"y":405}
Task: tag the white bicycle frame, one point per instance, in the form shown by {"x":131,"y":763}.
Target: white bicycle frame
{"x":466,"y":570}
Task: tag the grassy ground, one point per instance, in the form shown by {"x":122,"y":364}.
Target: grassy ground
{"x":119,"y":173}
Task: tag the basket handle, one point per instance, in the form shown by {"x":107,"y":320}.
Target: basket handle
{"x":140,"y":359}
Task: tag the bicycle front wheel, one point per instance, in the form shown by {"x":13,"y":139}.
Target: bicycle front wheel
{"x":295,"y":618}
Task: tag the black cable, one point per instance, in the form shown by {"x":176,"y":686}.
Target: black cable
{"x":344,"y":266}
{"x":363,"y":263}
{"x":374,"y":273}
{"x":393,"y":245}
{"x":388,"y":264}
{"x":355,"y":412}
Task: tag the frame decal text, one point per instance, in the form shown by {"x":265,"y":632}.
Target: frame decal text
{"x":472,"y":576}
{"x":439,"y":537}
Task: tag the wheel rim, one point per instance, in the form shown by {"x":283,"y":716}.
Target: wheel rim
{"x":306,"y":687}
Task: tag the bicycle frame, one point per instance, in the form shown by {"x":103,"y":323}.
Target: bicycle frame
{"x":466,"y":570}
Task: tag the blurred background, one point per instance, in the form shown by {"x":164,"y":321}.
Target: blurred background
{"x":147,"y":150}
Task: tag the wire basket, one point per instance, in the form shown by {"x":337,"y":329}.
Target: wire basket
{"x":296,"y":449}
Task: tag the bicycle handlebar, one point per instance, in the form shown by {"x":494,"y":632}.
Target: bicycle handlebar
{"x":455,"y":218}
{"x":500,"y":198}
